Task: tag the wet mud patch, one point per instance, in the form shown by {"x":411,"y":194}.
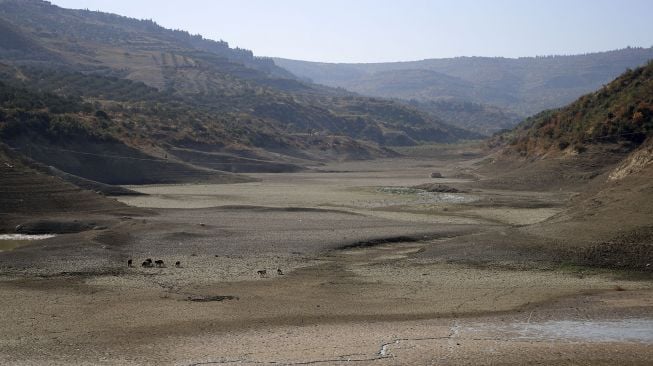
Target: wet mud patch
{"x":380,"y":241}
{"x":183,"y":235}
{"x":56,"y":227}
{"x":396,"y":240}
{"x":284,"y":209}
{"x":214,"y":298}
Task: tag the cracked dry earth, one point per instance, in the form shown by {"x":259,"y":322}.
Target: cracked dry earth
{"x":360,"y":285}
{"x":377,"y":305}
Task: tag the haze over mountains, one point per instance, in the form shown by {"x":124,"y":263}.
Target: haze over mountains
{"x":201,"y":205}
{"x":203,"y":108}
{"x":95,"y":97}
{"x":518,"y":87}
{"x":620,"y":112}
{"x":168,"y":93}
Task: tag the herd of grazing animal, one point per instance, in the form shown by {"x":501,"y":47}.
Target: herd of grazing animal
{"x":264,"y":273}
{"x":148,"y":263}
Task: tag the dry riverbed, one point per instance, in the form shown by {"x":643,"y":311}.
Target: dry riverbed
{"x":367,"y":276}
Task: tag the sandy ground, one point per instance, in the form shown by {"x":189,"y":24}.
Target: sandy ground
{"x":368,"y":277}
{"x":352,"y":188}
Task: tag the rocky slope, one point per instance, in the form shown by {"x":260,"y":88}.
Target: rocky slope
{"x":619,"y":113}
{"x":600,"y":147}
{"x":157,"y":90}
{"x":29,"y":195}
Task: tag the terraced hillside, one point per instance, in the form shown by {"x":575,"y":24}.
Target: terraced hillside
{"x":29,"y":194}
{"x":158,"y":91}
{"x":76,"y":138}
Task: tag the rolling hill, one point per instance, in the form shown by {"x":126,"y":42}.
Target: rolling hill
{"x":522,"y":86}
{"x":160,"y":94}
{"x":601,"y":136}
{"x":601,"y":147}
{"x":481,"y":118}
{"x":620,"y":113}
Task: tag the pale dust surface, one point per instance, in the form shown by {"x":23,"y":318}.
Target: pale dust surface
{"x":353,"y":288}
{"x":515,"y":216}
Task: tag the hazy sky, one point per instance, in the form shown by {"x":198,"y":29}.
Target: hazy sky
{"x":384,"y":30}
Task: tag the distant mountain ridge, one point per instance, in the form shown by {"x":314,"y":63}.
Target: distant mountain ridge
{"x":523,"y":86}
{"x":482,"y":118}
{"x":154,"y":93}
{"x":196,"y":71}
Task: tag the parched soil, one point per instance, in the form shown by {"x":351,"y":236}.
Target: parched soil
{"x":372,"y":271}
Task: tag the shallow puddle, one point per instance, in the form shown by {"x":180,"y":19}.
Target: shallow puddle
{"x":625,"y":330}
{"x":420,"y":196}
{"x":12,"y":241}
